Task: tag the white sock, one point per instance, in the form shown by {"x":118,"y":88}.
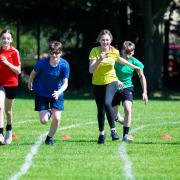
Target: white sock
{"x":113,"y":129}
{"x":101,"y":132}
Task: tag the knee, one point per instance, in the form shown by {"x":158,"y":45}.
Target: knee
{"x":56,"y":119}
{"x":108,"y":104}
{"x":44,"y":120}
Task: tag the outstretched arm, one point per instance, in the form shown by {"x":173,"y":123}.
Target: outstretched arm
{"x":124,"y":61}
{"x":144,"y":85}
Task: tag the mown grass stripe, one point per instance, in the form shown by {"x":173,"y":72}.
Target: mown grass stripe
{"x":34,"y":149}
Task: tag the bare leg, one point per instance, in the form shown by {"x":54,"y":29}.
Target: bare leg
{"x":116,"y":112}
{"x":44,"y":116}
{"x":9,"y":115}
{"x":8,"y":110}
{"x":128,"y":112}
{"x":127,"y":121}
{"x":118,"y":117}
{"x":56,"y":116}
{"x":2,"y":97}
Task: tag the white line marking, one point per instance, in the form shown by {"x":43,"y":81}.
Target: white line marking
{"x":123,"y":152}
{"x":28,"y":159}
{"x":34,"y":149}
{"x":127,"y":163}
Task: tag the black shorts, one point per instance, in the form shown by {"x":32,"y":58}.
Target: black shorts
{"x":122,"y":95}
{"x":10,"y":92}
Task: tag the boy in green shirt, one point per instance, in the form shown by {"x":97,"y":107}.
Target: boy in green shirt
{"x":125,"y":74}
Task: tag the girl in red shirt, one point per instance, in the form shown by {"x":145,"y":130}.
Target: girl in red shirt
{"x":10,"y":68}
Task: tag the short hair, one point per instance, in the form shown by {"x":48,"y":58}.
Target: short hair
{"x":55,"y":46}
{"x":103,"y":32}
{"x":128,"y":47}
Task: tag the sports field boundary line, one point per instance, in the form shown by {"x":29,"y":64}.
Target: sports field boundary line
{"x":34,"y":149}
{"x":123,"y":149}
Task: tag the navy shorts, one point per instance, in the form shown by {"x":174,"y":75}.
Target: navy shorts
{"x":122,"y":95}
{"x":10,"y":92}
{"x":45,"y":103}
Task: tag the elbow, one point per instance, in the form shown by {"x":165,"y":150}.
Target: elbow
{"x":19,"y":72}
{"x":67,"y":84}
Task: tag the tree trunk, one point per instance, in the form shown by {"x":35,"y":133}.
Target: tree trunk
{"x":148,"y":44}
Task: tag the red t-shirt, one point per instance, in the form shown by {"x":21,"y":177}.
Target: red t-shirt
{"x":9,"y":78}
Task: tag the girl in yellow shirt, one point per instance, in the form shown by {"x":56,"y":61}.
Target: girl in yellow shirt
{"x":104,"y":80}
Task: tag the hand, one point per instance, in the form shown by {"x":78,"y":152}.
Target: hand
{"x":145,"y":98}
{"x":102,"y":55}
{"x":4,"y":60}
{"x":120,"y":84}
{"x":55,"y":95}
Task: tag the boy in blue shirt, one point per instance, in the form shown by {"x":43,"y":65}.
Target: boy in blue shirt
{"x":49,"y":79}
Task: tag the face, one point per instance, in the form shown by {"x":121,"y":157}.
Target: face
{"x":54,"y":55}
{"x":130,"y":54}
{"x":6,"y":39}
{"x":105,"y":41}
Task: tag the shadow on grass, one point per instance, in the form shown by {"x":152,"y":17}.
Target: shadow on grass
{"x":78,"y":140}
{"x":155,"y":143}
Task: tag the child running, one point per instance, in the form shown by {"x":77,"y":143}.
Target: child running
{"x":49,"y":79}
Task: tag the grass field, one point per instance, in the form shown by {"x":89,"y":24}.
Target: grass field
{"x":80,"y":157}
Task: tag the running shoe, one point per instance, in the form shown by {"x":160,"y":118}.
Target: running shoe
{"x":8,"y":137}
{"x":128,"y":138}
{"x":114,"y":135}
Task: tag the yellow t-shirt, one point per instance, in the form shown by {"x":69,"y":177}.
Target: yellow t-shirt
{"x":105,"y":72}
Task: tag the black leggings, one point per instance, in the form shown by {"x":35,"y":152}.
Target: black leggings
{"x":103,"y":96}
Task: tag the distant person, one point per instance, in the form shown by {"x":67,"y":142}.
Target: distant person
{"x":10,"y":68}
{"x":104,"y":80}
{"x":49,"y":79}
{"x":125,"y":74}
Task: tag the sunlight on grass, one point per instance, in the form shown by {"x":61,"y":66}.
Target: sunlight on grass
{"x":80,"y":157}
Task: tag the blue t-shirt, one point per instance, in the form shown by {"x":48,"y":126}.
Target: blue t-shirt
{"x":49,"y":78}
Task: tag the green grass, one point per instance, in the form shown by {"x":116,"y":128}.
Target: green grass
{"x":81,"y":157}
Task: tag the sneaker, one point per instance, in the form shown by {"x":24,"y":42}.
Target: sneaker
{"x":120,"y":120}
{"x":49,"y":141}
{"x":101,"y":139}
{"x":1,"y":139}
{"x":128,"y":138}
{"x":114,"y":135}
{"x":8,"y":137}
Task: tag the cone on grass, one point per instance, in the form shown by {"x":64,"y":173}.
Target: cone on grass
{"x":166,"y":136}
{"x":66,"y":136}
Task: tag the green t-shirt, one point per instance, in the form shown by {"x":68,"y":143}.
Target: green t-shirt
{"x":125,"y":73}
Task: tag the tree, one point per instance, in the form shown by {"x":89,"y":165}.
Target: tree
{"x":77,"y":23}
